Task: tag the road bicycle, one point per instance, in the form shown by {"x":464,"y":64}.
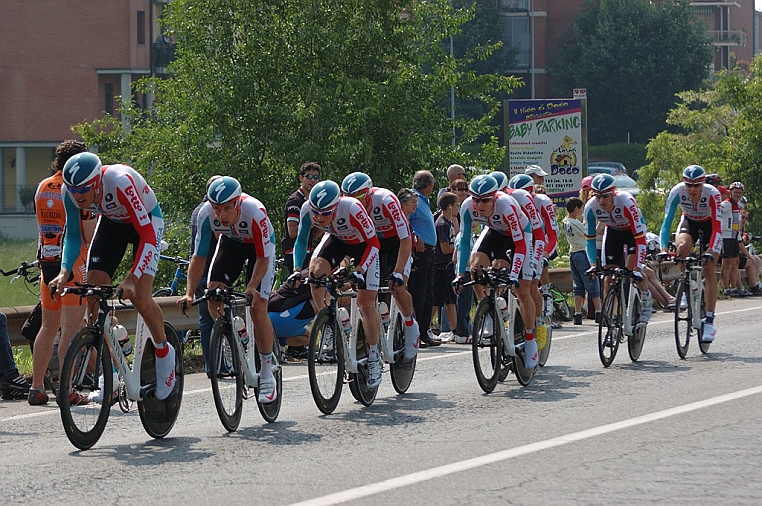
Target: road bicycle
{"x":88,"y":358}
{"x":561,"y":309}
{"x":620,"y":316}
{"x":235,"y":365}
{"x":497,"y":343}
{"x":690,"y":317}
{"x":337,"y":351}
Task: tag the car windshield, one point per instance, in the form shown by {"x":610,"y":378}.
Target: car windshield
{"x":623,"y":181}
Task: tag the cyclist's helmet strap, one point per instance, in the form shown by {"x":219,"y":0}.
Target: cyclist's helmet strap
{"x":355,"y":183}
{"x":224,"y":189}
{"x":324,"y":195}
{"x":694,"y":174}
{"x":81,"y":169}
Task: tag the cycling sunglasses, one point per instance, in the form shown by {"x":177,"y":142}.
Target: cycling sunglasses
{"x":693,"y":185}
{"x":481,"y":200}
{"x":79,"y":189}
{"x":313,"y":177}
{"x":322,"y":213}
{"x":603,"y":195}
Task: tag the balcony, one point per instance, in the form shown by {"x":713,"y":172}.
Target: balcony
{"x":727,"y":37}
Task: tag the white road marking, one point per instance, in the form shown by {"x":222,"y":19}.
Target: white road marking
{"x":465,"y":465}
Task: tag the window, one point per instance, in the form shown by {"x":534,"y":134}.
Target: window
{"x":141,"y":28}
{"x":517,"y":37}
{"x":109,"y":98}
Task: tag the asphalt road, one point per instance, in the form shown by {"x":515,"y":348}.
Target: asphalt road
{"x":662,"y":430}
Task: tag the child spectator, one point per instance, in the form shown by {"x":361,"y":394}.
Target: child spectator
{"x":575,"y":234}
{"x":444,"y":269}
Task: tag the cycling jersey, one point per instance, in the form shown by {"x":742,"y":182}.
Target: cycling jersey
{"x":548,"y":214}
{"x":528,"y":207}
{"x":126,"y":198}
{"x":624,"y":216}
{"x":387,"y":214}
{"x":252,"y":227}
{"x":707,"y":210}
{"x":350,"y":224}
{"x":731,"y":219}
{"x":507,"y":219}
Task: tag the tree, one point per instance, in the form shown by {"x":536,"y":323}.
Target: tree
{"x":260,"y":87}
{"x":633,"y":57}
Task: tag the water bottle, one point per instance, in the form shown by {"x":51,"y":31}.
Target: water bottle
{"x":383,"y":310}
{"x":124,"y":339}
{"x":502,"y":305}
{"x":240,"y":327}
{"x":345,"y":322}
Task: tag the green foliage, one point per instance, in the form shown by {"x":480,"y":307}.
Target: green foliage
{"x":259,"y":88}
{"x":12,"y":253}
{"x":633,"y":57}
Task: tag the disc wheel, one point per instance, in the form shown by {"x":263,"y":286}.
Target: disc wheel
{"x":635,"y":341}
{"x":704,"y":347}
{"x":523,"y":374}
{"x":610,"y":328}
{"x":228,"y":382}
{"x":159,"y":416}
{"x":271,"y":410}
{"x":325,"y":361}
{"x":358,"y":383}
{"x":402,"y":370}
{"x":683,"y":318}
{"x":86,"y":359}
{"x":486,"y":346}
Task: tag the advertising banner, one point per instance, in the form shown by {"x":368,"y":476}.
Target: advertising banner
{"x":548,"y":133}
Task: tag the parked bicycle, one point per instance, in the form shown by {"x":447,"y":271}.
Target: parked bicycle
{"x":88,"y":358}
{"x":561,"y":309}
{"x":620,"y":316}
{"x":497,"y":342}
{"x":235,"y":365}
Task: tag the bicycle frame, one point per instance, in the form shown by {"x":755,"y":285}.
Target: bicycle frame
{"x":179,"y":272}
{"x":619,"y":275}
{"x":693,"y":273}
{"x":387,"y":334}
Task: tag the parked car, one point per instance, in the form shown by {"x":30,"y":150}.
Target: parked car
{"x":605,"y":169}
{"x":622,"y":180}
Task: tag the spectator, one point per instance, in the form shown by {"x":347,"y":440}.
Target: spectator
{"x":425,"y":238}
{"x":12,"y":384}
{"x":578,"y":261}
{"x":291,"y":309}
{"x":309,"y":176}
{"x":454,"y":172}
{"x":444,"y":269}
{"x":465,"y":297}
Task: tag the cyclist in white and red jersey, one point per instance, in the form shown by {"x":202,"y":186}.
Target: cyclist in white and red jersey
{"x":129,"y":214}
{"x":625,"y":229}
{"x":506,"y":228}
{"x":700,"y":206}
{"x":349,"y":233}
{"x":395,"y":246}
{"x":246,"y":235}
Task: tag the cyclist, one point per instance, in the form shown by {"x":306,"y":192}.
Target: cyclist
{"x":395,"y":246}
{"x":349,"y":233}
{"x":245,"y":235}
{"x":700,"y":206}
{"x":129,"y":214}
{"x":625,"y":229}
{"x":730,"y":212}
{"x":506,"y":228}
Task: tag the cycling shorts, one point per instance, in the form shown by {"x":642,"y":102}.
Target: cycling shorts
{"x":334,"y":250}
{"x":49,"y":271}
{"x":696,"y":229}
{"x":615,"y":244}
{"x":110,"y":243}
{"x":387,"y":257}
{"x":496,"y":245}
{"x":730,"y":248}
{"x":229,"y":259}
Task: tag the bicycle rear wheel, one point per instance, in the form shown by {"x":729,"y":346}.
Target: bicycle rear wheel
{"x":358,"y":383}
{"x":683,"y":318}
{"x":86,"y":359}
{"x":486,"y":345}
{"x":704,"y":347}
{"x":545,"y":352}
{"x":228,"y":382}
{"x":159,"y":416}
{"x":271,"y":410}
{"x":635,"y":341}
{"x":610,"y":327}
{"x":325,"y":361}
{"x":402,"y":370}
{"x":523,"y":374}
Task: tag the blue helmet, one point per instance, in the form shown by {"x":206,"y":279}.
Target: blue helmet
{"x":502,"y":180}
{"x":522,"y":182}
{"x":324,"y":195}
{"x":223,"y":189}
{"x":694,"y":174}
{"x":81,"y":168}
{"x":603,"y":183}
{"x":483,"y":185}
{"x":356,"y":183}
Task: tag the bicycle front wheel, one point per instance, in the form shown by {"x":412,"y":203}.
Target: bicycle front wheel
{"x":325,"y":361}
{"x":271,"y":410}
{"x":610,"y":327}
{"x":159,"y":416}
{"x":402,"y":370}
{"x":704,"y":347}
{"x":86,"y":359}
{"x":683,"y":317}
{"x":358,"y":383}
{"x":486,"y":345}
{"x":226,"y":374}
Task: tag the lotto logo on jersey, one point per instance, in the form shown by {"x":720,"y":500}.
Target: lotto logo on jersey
{"x":263,"y":226}
{"x":134,"y":199}
{"x":396,"y":213}
{"x":635,"y":212}
{"x":146,"y":261}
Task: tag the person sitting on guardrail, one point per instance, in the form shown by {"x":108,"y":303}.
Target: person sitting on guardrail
{"x":12,"y":384}
{"x":291,"y":310}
